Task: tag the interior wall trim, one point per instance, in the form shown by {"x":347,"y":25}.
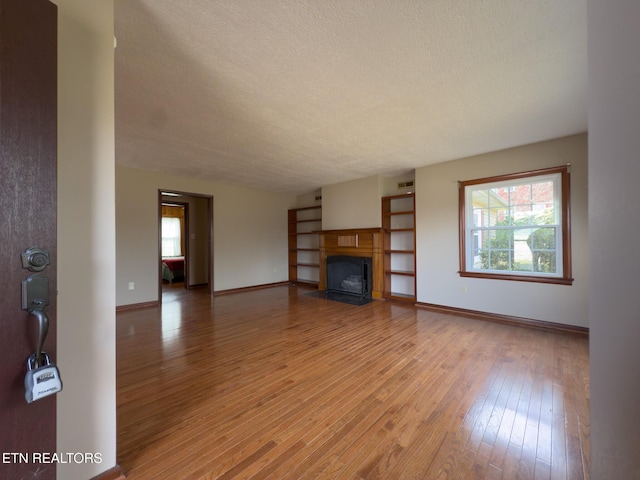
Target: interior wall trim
{"x":253,"y":287}
{"x":114,"y":473}
{"x":506,"y":319}
{"x":304,"y":284}
{"x":135,"y":306}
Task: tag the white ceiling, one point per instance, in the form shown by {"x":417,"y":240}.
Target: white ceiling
{"x":291,"y":95}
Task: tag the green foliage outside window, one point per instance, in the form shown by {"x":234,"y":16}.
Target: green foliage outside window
{"x":498,"y":246}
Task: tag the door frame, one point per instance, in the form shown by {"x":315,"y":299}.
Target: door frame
{"x":178,"y":194}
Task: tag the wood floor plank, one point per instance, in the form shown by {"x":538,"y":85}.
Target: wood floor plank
{"x":448,"y":400}
{"x":558,"y":434}
{"x":278,"y":384}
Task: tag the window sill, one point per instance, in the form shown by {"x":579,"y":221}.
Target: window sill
{"x":519,"y":278}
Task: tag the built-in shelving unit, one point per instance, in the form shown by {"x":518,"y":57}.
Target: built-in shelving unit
{"x":304,"y":244}
{"x":399,"y":259}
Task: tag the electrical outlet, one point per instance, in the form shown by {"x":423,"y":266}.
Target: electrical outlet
{"x":132,"y":286}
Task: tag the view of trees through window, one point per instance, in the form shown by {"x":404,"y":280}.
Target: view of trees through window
{"x":516,"y":226}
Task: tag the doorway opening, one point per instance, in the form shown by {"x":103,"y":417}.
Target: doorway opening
{"x":174,"y":229}
{"x":185,"y":245}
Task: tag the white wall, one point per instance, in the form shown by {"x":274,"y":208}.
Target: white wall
{"x":390,"y":184}
{"x":86,"y":417}
{"x":354,"y":204}
{"x":614,"y":172}
{"x":437,"y":255}
{"x":358,"y":203}
{"x":249,"y":233}
{"x":309,"y":199}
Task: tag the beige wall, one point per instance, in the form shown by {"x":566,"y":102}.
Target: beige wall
{"x":86,"y":239}
{"x":357,"y":204}
{"x":309,"y":199}
{"x":354,"y":204}
{"x":358,"y":190}
{"x":390,"y":184}
{"x":249,"y":233}
{"x":437,"y":236}
{"x":614,"y":171}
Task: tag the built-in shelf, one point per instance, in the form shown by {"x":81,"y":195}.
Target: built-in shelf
{"x":408,"y":273}
{"x":304,"y":244}
{"x":399,"y":258}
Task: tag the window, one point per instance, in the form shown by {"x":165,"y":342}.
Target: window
{"x":517,"y":227}
{"x":171,"y":239}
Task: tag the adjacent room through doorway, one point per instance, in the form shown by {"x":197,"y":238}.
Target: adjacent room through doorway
{"x":185,"y":241}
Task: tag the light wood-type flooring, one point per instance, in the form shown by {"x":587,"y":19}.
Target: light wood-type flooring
{"x":278,"y":384}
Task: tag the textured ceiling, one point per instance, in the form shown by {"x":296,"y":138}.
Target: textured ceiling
{"x":291,"y":95}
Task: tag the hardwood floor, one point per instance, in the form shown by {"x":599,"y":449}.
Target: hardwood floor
{"x":278,"y":384}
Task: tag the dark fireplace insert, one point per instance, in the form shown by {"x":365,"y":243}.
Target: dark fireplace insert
{"x":349,"y":278}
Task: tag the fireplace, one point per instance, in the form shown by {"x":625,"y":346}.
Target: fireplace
{"x":362,"y":246}
{"x":349,"y":276}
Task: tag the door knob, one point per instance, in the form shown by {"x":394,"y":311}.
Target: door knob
{"x":35,"y":259}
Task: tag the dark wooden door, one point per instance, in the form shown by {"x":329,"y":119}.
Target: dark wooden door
{"x":28,"y":137}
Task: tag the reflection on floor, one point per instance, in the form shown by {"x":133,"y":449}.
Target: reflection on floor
{"x":275,"y":383}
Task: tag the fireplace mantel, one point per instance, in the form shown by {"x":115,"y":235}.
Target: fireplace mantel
{"x":357,"y":242}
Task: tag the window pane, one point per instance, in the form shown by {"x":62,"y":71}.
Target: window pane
{"x":480,"y":216}
{"x":544,"y":261}
{"x":522,"y":215}
{"x":499,"y":260}
{"x":544,"y":215}
{"x":499,"y":239}
{"x":499,"y":217}
{"x":521,"y":195}
{"x":542,"y":192}
{"x":476,"y":245}
{"x":479,"y":198}
{"x":499,"y":196}
{"x":523,"y":265}
{"x":522,"y":258}
{"x":543,"y":239}
{"x":481,"y":260}
{"x":538,"y":214}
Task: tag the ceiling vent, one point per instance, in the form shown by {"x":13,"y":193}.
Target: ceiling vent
{"x":407,"y":184}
